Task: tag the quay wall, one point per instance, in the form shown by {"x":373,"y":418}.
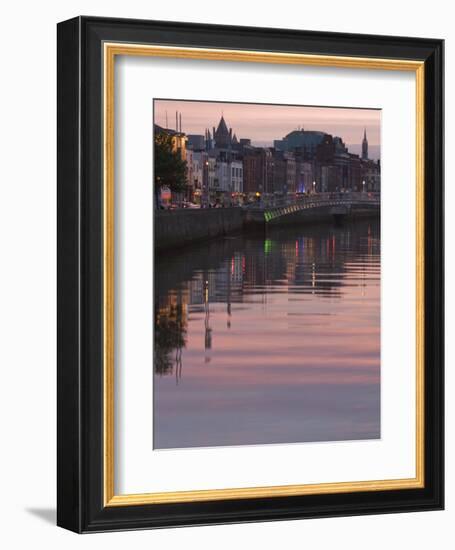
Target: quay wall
{"x":176,"y":228}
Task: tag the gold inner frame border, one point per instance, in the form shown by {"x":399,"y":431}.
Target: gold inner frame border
{"x":110,"y":51}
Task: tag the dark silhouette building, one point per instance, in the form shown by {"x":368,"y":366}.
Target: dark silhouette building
{"x":222,"y":136}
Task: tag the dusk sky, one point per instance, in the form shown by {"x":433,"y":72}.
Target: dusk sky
{"x":264,"y":123}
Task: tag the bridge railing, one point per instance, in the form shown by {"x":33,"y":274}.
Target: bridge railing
{"x":317,"y":198}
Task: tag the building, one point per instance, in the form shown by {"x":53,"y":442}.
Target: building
{"x":284,"y":172}
{"x":197,"y":168}
{"x":212,"y":179}
{"x":291,"y":173}
{"x":236,"y":183}
{"x":208,"y":140}
{"x":304,"y":176}
{"x":323,"y":164}
{"x":371,"y":175}
{"x":355,"y":175}
{"x":258,"y":166}
{"x":227,"y":186}
{"x":196,"y":142}
{"x":222,"y":136}
{"x":224,"y":164}
{"x":330,"y":179}
{"x":190,"y":178}
{"x":222,"y":175}
{"x":197,"y":175}
{"x":252,"y":171}
{"x":306,"y":142}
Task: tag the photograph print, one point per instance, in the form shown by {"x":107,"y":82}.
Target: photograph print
{"x":267,"y":274}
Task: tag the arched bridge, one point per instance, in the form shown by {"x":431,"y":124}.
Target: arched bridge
{"x":318,"y":206}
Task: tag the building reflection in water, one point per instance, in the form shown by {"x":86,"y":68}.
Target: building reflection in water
{"x":304,"y":286}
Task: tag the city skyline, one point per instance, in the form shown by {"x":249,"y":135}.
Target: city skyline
{"x":267,"y":330}
{"x":275,"y":121}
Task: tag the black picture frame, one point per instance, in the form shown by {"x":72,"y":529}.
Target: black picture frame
{"x":80,"y":474}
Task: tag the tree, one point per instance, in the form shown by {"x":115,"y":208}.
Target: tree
{"x":170,"y":169}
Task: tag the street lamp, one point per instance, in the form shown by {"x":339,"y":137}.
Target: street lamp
{"x":205,"y":183}
{"x":314,"y":187}
{"x":363,"y":186}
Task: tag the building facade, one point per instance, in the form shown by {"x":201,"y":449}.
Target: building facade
{"x":225,"y":170}
{"x":236,"y":183}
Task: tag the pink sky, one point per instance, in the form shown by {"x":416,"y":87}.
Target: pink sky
{"x":264,"y":123}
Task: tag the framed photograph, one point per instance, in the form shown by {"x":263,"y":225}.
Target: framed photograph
{"x":250,"y":274}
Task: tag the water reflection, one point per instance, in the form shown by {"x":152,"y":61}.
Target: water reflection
{"x":269,"y":339}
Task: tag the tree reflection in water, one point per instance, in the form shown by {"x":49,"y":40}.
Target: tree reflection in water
{"x":170,"y":338}
{"x":319,"y":261}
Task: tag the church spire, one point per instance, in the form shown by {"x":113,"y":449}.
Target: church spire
{"x":222,"y":135}
{"x":365,"y":145}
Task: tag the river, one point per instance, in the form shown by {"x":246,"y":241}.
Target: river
{"x":271,"y":338}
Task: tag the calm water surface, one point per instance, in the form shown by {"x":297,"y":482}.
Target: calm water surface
{"x":269,"y":339}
